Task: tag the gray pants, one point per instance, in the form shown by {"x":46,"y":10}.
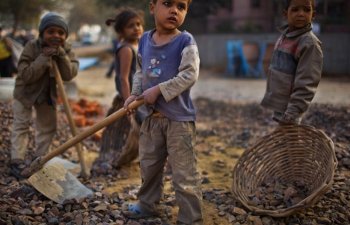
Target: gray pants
{"x":45,"y":129}
{"x":161,"y":138}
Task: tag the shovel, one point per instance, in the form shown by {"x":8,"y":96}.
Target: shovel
{"x":53,"y":180}
{"x":84,"y":172}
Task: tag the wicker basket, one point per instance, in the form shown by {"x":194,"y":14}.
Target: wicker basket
{"x":290,"y":154}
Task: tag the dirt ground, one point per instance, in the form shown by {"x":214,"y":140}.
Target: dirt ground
{"x":93,"y":84}
{"x":230,"y":120}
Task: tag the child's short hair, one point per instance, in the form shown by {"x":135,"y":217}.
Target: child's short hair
{"x":287,"y":3}
{"x":52,"y":19}
{"x":123,"y":17}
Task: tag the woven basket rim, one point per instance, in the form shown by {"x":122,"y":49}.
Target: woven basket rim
{"x":313,"y":197}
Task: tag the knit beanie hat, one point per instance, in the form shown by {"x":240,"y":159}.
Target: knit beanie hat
{"x":52,"y":19}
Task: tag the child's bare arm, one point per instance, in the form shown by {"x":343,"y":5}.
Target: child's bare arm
{"x":125,"y":57}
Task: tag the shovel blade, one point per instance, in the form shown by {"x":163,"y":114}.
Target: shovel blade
{"x":58,"y":184}
{"x":73,"y":168}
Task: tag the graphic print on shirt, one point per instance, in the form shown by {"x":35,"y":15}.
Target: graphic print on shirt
{"x":154,"y":71}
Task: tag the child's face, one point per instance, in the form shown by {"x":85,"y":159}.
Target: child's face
{"x":299,"y":14}
{"x":169,"y":14}
{"x":133,"y":30}
{"x":54,"y":36}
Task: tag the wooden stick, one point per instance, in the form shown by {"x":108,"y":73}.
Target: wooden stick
{"x":40,"y":161}
{"x":84,"y":172}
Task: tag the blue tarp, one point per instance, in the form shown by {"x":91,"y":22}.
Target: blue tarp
{"x":237,"y":63}
{"x":85,"y":63}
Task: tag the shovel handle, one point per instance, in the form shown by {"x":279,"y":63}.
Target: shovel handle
{"x":68,"y":111}
{"x":40,"y":161}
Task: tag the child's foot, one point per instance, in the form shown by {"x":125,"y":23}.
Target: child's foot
{"x":134,"y":211}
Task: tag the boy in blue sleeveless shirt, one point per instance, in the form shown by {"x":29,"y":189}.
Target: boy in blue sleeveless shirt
{"x":168,"y":66}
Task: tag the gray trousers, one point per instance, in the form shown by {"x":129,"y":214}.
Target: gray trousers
{"x":161,"y":138}
{"x":45,"y":128}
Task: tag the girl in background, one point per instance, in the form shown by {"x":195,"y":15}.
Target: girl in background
{"x":119,"y":144}
{"x":128,"y":25}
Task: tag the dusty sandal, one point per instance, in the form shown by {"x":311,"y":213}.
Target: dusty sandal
{"x":134,"y":211}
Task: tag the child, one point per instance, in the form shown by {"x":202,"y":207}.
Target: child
{"x":36,"y":87}
{"x":168,"y":66}
{"x":128,"y":24}
{"x":296,"y":65}
{"x":119,"y":144}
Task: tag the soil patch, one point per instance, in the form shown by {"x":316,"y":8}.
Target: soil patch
{"x":224,"y":131}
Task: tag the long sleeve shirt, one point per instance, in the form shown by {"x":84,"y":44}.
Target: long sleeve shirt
{"x":173,"y":66}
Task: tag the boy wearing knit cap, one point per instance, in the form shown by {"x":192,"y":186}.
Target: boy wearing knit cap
{"x":35,"y":88}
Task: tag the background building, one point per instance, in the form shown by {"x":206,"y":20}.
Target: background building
{"x":251,"y":16}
